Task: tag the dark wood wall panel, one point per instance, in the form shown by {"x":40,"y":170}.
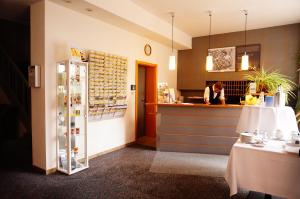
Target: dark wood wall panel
{"x":279,"y":46}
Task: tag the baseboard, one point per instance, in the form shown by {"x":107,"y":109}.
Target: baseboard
{"x":50,"y":171}
{"x":43,"y":171}
{"x":53,"y":170}
{"x":38,"y":170}
{"x":111,"y":150}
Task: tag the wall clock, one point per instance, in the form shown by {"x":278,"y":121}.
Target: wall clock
{"x":147,"y":50}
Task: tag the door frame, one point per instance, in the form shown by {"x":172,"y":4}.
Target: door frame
{"x":146,"y":65}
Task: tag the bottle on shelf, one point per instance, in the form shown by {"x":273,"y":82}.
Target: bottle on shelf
{"x":73,"y":160}
{"x":72,"y":122}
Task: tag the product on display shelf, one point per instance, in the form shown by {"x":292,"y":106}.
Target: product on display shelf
{"x":165,"y":94}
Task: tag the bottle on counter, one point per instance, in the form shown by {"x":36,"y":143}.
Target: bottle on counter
{"x":262,"y":99}
{"x":279,"y":100}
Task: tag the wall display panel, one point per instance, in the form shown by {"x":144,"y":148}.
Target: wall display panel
{"x":107,"y":85}
{"x":223,"y":59}
{"x":253,"y":51}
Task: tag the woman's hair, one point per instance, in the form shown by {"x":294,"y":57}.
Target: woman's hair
{"x":219,"y":85}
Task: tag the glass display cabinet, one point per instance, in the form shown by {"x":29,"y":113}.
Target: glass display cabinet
{"x":72,"y":116}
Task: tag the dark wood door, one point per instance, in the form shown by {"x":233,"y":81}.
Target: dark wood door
{"x":141,"y":101}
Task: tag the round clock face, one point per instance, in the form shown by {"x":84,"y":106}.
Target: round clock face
{"x":147,"y":49}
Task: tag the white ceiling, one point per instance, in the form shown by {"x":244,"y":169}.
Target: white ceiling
{"x":127,"y":15}
{"x":191,"y":15}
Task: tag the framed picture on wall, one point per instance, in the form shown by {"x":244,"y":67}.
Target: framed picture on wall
{"x":253,"y":51}
{"x":223,"y":59}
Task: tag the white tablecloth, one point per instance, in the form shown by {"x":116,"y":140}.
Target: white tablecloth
{"x":267,"y":119}
{"x":268,"y":170}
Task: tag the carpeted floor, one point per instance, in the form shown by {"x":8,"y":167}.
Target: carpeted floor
{"x":121,"y":174}
{"x":189,"y":164}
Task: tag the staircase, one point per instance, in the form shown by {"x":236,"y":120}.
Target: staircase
{"x":15,"y":122}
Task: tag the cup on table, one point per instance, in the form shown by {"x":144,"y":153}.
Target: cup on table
{"x":269,"y":101}
{"x":279,"y":134}
{"x":295,"y":139}
{"x":262,"y":136}
{"x":246,"y":137}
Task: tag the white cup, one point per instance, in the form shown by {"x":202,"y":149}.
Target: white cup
{"x":295,"y":138}
{"x":246,"y":137}
{"x":279,"y":134}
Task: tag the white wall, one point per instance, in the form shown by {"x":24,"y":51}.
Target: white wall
{"x":64,"y":27}
{"x":37,"y":47}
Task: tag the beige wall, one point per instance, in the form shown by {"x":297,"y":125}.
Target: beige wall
{"x":279,"y":46}
{"x":38,"y":114}
{"x":64,"y":27}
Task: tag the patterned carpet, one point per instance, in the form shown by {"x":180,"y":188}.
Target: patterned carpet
{"x":121,"y":174}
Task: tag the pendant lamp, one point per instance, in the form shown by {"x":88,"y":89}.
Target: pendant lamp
{"x":172,"y":59}
{"x":245,"y":57}
{"x":209,"y":57}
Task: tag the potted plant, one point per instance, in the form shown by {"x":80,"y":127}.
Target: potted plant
{"x":268,"y":82}
{"x":298,"y":60}
{"x":297,"y":108}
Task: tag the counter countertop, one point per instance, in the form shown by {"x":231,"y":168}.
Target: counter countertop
{"x":200,"y":105}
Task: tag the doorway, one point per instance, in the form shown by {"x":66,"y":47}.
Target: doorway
{"x":146,"y":100}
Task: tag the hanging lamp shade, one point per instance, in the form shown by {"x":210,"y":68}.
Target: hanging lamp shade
{"x":172,"y":62}
{"x":245,"y":57}
{"x":245,"y":62}
{"x":209,"y":57}
{"x":209,"y":62}
{"x":172,"y":58}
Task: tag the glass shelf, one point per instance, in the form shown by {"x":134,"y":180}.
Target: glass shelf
{"x":72,"y":116}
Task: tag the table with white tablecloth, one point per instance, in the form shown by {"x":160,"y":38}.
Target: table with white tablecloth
{"x":268,"y":119}
{"x":269,"y":169}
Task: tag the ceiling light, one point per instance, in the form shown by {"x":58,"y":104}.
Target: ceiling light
{"x":245,"y":57}
{"x":172,"y":59}
{"x":209,"y":57}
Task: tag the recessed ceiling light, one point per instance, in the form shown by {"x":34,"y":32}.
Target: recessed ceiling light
{"x":89,"y":9}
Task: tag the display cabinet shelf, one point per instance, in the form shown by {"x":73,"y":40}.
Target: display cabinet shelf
{"x":72,"y":115}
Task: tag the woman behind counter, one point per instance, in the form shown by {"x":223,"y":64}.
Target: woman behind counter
{"x":214,"y":94}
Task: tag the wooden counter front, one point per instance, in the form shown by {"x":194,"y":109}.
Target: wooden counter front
{"x":197,"y":128}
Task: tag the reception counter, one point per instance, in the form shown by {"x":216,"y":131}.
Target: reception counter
{"x":198,"y":128}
